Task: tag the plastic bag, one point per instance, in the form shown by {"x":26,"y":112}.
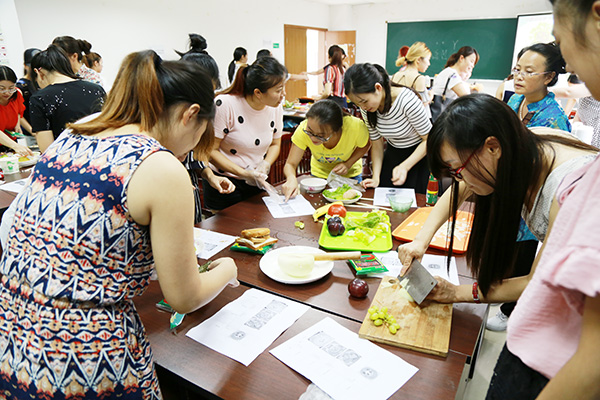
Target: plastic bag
{"x":335,"y":181}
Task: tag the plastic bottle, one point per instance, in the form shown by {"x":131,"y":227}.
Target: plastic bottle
{"x":432,"y":191}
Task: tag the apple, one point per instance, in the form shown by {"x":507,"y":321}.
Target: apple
{"x":358,"y":288}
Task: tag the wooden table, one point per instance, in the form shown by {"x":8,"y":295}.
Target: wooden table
{"x":438,"y":378}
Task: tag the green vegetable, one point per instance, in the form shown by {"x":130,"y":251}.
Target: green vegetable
{"x":299,"y":224}
{"x":204,"y":267}
{"x":365,"y":227}
{"x":338,"y":194}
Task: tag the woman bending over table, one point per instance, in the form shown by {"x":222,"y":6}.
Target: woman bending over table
{"x":106,"y":204}
{"x":337,"y":142}
{"x":11,"y":110}
{"x":396,"y":114}
{"x":248,"y":127}
{"x":513,"y":173}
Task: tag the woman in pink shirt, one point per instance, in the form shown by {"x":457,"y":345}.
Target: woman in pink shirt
{"x":248,"y":127}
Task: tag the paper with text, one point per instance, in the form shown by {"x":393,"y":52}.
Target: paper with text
{"x":296,"y":207}
{"x":343,"y":365}
{"x":381,"y":194}
{"x":209,"y":243}
{"x":248,"y":325}
{"x":436,"y":265}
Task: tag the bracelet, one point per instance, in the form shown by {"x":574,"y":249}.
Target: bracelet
{"x":476,"y":293}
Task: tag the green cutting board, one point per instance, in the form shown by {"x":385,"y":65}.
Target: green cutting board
{"x":383,"y":241}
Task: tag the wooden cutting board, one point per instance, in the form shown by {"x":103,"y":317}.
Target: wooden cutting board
{"x":425,"y":329}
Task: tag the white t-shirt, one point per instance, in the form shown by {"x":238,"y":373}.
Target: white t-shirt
{"x":404,"y":124}
{"x":439,"y":82}
{"x":245,"y":133}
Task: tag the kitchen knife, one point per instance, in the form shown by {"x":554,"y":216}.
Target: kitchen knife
{"x":418,"y":282}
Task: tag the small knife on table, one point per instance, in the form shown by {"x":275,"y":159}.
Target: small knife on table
{"x":418,"y":282}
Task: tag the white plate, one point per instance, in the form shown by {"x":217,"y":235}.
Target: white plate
{"x":270,"y":266}
{"x":345,"y":201}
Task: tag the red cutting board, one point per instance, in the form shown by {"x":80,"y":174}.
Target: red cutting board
{"x":409,"y":228}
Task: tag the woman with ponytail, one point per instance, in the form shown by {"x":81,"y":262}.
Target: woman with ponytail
{"x":76,"y":50}
{"x":451,"y":83}
{"x":240,"y":58}
{"x":396,"y":114}
{"x":248,"y":128}
{"x":107,"y":203}
{"x":416,"y":60}
{"x":63,"y":97}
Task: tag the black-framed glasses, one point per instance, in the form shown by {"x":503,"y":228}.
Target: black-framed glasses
{"x":321,"y":138}
{"x":456,"y":173}
{"x":524,"y":74}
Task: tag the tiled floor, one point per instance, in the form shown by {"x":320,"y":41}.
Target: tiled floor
{"x":490,"y":349}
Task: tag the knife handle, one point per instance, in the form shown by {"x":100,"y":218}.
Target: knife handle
{"x":341,"y":255}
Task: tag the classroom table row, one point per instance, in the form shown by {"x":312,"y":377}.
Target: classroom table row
{"x":209,"y":373}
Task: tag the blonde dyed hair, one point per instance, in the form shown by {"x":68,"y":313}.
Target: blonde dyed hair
{"x":416,"y":51}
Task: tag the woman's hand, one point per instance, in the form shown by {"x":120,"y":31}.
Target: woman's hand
{"x":370,"y":183}
{"x":399,"y":174}
{"x":225,"y":263}
{"x":409,"y":252}
{"x":263,"y":167}
{"x":22,"y":150}
{"x":340,"y":169}
{"x":222,"y":184}
{"x":443,"y":292}
{"x":290,"y":189}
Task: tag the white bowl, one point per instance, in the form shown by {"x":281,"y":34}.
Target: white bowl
{"x":313,"y":185}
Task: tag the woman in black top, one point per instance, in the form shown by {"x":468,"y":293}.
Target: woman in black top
{"x":63,"y":97}
{"x":27,"y":85}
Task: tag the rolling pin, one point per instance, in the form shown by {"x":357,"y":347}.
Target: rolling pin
{"x":340,"y":255}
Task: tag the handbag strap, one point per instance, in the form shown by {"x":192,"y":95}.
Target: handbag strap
{"x":446,"y":88}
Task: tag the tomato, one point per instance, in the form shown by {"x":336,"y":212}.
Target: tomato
{"x":337,"y":209}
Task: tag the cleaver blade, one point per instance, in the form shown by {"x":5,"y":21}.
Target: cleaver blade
{"x":419,"y":282}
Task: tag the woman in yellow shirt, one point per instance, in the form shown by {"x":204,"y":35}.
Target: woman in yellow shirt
{"x":337,"y":142}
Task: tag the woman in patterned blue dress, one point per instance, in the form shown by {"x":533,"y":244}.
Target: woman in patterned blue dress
{"x":90,"y":226}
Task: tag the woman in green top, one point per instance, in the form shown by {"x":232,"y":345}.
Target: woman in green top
{"x":337,"y":142}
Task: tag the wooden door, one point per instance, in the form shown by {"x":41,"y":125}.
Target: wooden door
{"x":295,"y":59}
{"x":344,"y":39}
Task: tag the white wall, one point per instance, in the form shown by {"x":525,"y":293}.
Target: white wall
{"x":118,"y":27}
{"x":11,"y":43}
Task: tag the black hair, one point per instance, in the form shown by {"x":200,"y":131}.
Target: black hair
{"x":328,"y":112}
{"x":52,"y":59}
{"x":238,"y":53}
{"x":263,"y":53}
{"x":198,"y":45}
{"x":73,"y":46}
{"x":361,"y":78}
{"x":554,"y":60}
{"x":7,"y":74}
{"x":28,"y":55}
{"x":335,"y":54}
{"x":208,"y":63}
{"x":574,"y":79}
{"x":263,"y":74}
{"x":465,"y":125}
{"x":464,"y":51}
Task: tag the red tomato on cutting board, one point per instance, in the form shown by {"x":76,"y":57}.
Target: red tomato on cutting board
{"x":337,"y":209}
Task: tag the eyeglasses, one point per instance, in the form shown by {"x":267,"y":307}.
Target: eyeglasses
{"x":9,"y":90}
{"x":456,"y":173}
{"x":524,"y":74}
{"x":321,"y":138}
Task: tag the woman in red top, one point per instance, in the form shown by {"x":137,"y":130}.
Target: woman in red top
{"x":11,"y":110}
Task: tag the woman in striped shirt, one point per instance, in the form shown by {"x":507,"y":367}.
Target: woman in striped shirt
{"x":394,"y":113}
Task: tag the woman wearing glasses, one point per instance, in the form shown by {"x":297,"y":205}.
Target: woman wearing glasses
{"x":337,"y":141}
{"x":512,"y":172}
{"x":538,"y":67}
{"x":11,"y":110}
{"x":397,"y":115}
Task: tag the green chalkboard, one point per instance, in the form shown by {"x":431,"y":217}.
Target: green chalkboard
{"x":493,"y":39}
